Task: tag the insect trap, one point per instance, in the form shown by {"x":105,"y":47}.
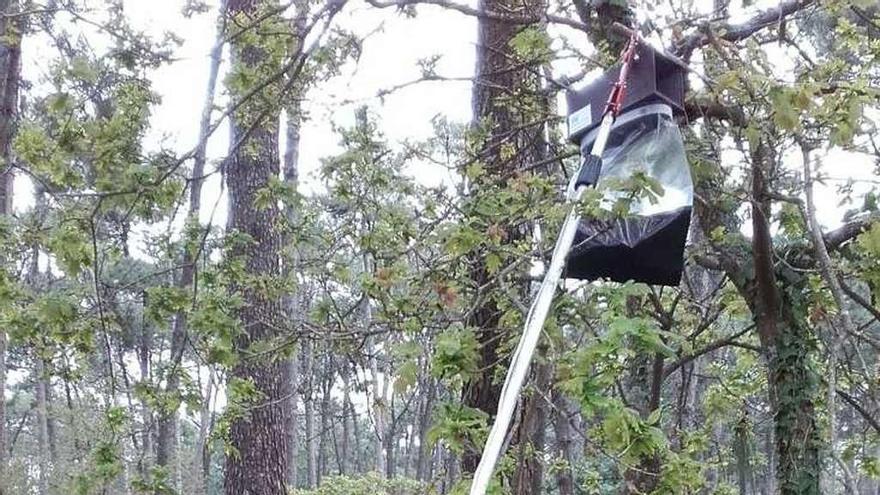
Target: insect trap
{"x":643,"y":165}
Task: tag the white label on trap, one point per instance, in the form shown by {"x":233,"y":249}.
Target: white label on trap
{"x":580,"y":120}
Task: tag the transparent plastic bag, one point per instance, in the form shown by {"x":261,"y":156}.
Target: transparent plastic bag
{"x":647,"y":245}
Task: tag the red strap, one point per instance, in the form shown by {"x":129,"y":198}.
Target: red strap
{"x":618,"y":92}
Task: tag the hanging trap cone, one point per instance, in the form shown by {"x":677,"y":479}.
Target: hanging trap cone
{"x":647,"y":244}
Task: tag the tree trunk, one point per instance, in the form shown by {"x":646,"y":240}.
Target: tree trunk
{"x":846,"y":325}
{"x":308,"y":357}
{"x":793,"y":382}
{"x":202,"y":457}
{"x":146,"y":342}
{"x":530,"y":469}
{"x":775,"y":295}
{"x":355,"y":430}
{"x":499,"y":75}
{"x":564,"y":443}
{"x":423,"y":461}
{"x":326,"y":387}
{"x":390,"y":439}
{"x":51,"y":423}
{"x":259,"y":443}
{"x":779,"y":315}
{"x":166,"y":441}
{"x":292,"y":303}
{"x":388,"y":421}
{"x":643,"y":382}
{"x":42,"y":418}
{"x":290,"y":177}
{"x":348,"y":416}
{"x":378,"y":417}
{"x":10,"y":71}
{"x":293,"y":428}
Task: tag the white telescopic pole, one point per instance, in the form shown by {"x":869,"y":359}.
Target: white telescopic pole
{"x":522,"y":356}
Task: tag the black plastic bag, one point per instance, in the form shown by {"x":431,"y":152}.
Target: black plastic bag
{"x":647,"y":245}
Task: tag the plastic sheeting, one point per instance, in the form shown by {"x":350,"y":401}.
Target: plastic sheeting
{"x":647,"y":244}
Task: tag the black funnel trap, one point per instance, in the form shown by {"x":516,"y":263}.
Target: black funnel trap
{"x":647,"y":245}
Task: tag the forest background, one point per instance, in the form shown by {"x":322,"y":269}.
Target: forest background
{"x":271,"y":247}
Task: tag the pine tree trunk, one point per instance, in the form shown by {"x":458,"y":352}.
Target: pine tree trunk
{"x":531,"y":435}
{"x":166,"y":441}
{"x":203,"y":450}
{"x":498,"y":75}
{"x":564,"y":443}
{"x":292,"y":305}
{"x":425,"y":452}
{"x":378,"y":418}
{"x":355,"y":430}
{"x":348,"y":415}
{"x":308,"y":357}
{"x":326,"y":432}
{"x":42,"y":418}
{"x":146,"y":342}
{"x":258,"y":461}
{"x":10,"y":71}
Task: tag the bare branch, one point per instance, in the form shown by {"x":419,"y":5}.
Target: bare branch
{"x":836,"y":238}
{"x":737,"y":32}
{"x":485,"y":14}
{"x":718,"y":344}
{"x":869,"y":418}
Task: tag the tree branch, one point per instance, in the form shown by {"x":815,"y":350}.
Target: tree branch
{"x":858,"y":299}
{"x":484,"y":14}
{"x":849,"y":231}
{"x":737,"y":32}
{"x":718,"y":344}
{"x":703,"y":107}
{"x":849,"y":399}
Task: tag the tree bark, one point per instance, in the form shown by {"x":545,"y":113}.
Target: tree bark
{"x":203,"y":448}
{"x":42,"y":418}
{"x":503,"y":89}
{"x":10,"y":73}
{"x":293,"y":303}
{"x":326,"y":427}
{"x":348,"y":416}
{"x":826,"y":268}
{"x":355,"y":430}
{"x":785,"y":336}
{"x":258,"y":461}
{"x":144,"y":352}
{"x":775,"y":296}
{"x":293,"y":428}
{"x":562,"y":432}
{"x":308,"y":357}
{"x":423,"y":461}
{"x":166,"y":441}
{"x":529,"y":476}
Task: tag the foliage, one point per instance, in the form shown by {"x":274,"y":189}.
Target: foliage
{"x":369,"y":484}
{"x":406,"y":266}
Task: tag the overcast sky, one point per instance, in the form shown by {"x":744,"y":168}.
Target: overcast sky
{"x":390,"y":57}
